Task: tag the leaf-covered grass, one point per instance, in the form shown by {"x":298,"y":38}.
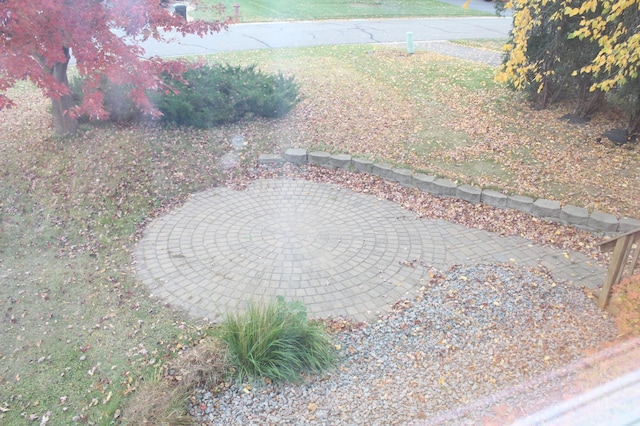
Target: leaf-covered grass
{"x":78,"y":332}
{"x":449,"y":118}
{"x":276,"y":341}
{"x":292,"y":10}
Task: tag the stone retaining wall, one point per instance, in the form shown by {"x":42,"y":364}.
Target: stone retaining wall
{"x":543,"y":208}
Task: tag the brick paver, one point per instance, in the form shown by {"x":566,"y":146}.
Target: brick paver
{"x":337,"y":251}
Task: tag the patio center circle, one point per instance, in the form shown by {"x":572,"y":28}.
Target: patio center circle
{"x":339,"y":252}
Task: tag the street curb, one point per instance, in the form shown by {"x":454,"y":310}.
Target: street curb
{"x":540,"y":207}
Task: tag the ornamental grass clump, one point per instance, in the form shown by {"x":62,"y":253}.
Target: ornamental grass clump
{"x":276,"y":341}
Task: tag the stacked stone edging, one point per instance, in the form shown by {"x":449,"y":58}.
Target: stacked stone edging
{"x":547,"y":209}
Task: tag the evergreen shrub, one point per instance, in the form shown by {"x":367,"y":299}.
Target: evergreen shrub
{"x":211,"y":95}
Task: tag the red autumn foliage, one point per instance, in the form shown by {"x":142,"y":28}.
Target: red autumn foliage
{"x":38,"y":38}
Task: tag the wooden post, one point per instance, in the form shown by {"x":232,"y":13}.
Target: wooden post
{"x":621,"y":247}
{"x":614,"y":273}
{"x":634,"y":259}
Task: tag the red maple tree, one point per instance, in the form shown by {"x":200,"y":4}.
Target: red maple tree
{"x":38,"y":38}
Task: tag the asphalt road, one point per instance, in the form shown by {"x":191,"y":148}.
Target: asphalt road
{"x":318,"y":33}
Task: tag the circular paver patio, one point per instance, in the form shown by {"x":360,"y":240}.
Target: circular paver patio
{"x":337,"y":251}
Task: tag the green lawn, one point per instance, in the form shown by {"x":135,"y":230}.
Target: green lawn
{"x":295,"y":10}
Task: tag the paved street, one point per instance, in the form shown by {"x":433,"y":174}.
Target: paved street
{"x":318,"y":33}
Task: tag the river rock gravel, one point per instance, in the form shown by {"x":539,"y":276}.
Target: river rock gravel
{"x":472,"y":332}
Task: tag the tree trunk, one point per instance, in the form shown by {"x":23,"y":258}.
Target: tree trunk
{"x":63,"y":123}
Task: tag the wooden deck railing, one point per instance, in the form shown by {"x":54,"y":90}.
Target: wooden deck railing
{"x":622,"y":247}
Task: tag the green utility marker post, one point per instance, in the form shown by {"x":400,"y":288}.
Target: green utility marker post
{"x":410,"y":49}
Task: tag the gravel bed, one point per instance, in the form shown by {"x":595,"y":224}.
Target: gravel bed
{"x":474,"y":332}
